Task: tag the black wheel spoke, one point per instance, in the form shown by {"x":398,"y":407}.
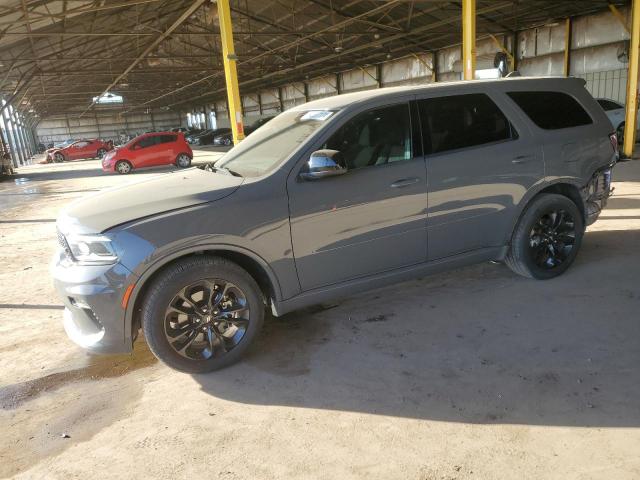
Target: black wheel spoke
{"x":552,"y":238}
{"x":210,"y":328}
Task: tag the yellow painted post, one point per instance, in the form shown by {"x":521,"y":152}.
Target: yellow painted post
{"x":469,"y":39}
{"x":630,"y":126}
{"x":567,"y":47}
{"x":229,"y":59}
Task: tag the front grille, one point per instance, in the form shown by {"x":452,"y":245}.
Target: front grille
{"x":63,"y":244}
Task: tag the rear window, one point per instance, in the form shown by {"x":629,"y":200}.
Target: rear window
{"x":608,"y":105}
{"x":462,"y":121}
{"x":551,"y":110}
{"x":166,"y":138}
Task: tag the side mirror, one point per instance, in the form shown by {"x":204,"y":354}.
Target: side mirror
{"x":324,"y":163}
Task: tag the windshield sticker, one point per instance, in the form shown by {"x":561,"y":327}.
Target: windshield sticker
{"x":318,"y":115}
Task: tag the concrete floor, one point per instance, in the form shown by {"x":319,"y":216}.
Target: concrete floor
{"x":475,"y":373}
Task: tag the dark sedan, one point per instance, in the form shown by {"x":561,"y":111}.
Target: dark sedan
{"x":227,"y":137}
{"x":207,"y":137}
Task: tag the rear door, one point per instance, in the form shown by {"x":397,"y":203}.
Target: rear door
{"x":481,"y":160}
{"x":166,"y":149}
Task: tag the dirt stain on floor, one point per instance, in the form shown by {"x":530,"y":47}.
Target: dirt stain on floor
{"x":47,"y":415}
{"x":12,"y":396}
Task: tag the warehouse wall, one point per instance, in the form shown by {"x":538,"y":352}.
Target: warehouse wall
{"x":106,"y":125}
{"x":598,"y":48}
{"x":597,"y":55}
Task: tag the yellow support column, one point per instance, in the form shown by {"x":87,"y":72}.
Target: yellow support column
{"x":567,"y":47}
{"x":469,"y":39}
{"x":229,"y":59}
{"x":630,"y":126}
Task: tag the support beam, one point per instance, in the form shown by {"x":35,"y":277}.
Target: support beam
{"x":630,"y":126}
{"x":619,"y":17}
{"x":469,"y":39}
{"x":229,"y":59}
{"x":186,"y":14}
{"x":567,"y":47}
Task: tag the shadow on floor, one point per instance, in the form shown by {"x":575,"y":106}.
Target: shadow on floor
{"x":478,"y":345}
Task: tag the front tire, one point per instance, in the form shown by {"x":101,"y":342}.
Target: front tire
{"x":183,"y":161}
{"x":123,"y":167}
{"x":547,"y":238}
{"x":202,"y":314}
{"x":58,"y":158}
{"x":101,"y":153}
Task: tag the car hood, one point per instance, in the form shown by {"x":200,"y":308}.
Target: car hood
{"x":162,"y":193}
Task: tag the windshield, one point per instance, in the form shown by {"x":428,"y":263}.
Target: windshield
{"x":265,"y":148}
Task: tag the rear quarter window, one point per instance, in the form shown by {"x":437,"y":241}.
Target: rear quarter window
{"x":551,"y":110}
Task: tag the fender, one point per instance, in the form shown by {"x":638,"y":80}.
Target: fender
{"x":535,"y":190}
{"x":157,"y":265}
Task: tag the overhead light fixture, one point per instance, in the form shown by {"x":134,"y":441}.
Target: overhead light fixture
{"x":338,"y":49}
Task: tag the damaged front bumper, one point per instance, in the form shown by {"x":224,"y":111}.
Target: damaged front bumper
{"x":596,"y":193}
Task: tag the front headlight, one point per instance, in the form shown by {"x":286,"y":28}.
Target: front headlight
{"x":92,"y":249}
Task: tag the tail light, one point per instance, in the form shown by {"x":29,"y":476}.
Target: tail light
{"x":613,"y":138}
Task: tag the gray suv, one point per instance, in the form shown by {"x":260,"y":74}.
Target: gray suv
{"x":330,"y":198}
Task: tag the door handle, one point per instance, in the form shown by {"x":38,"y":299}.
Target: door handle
{"x":405,"y":182}
{"x":521,"y":159}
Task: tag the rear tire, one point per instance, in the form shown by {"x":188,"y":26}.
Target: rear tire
{"x":182,"y":311}
{"x":547,"y":238}
{"x":620,"y":135}
{"x":123,"y":167}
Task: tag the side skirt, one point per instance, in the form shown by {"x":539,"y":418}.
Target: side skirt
{"x":350,"y":287}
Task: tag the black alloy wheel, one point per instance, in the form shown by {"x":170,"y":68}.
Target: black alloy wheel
{"x":202,"y":313}
{"x":552,"y":238}
{"x":207,"y":319}
{"x":547,"y":238}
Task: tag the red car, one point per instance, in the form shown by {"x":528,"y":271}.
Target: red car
{"x":149,"y":150}
{"x":79,"y":150}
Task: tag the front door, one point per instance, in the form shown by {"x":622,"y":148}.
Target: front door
{"x":480,"y":164}
{"x":370,"y":219}
{"x":146,"y":151}
{"x":78,"y":150}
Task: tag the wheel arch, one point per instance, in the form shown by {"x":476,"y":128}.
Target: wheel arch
{"x":253,"y":264}
{"x":563,"y":187}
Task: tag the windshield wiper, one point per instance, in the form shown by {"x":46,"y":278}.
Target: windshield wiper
{"x":210,"y":167}
{"x":228,"y":171}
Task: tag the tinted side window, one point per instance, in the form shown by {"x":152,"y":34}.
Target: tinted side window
{"x":147,"y":142}
{"x":376,"y":137}
{"x":551,"y":110}
{"x":461,"y":121}
{"x":166,"y":138}
{"x":608,"y":105}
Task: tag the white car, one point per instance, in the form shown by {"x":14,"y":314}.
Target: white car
{"x":616,"y":113}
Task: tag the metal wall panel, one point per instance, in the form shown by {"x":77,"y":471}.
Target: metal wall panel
{"x":105,"y":125}
{"x":322,"y":87}
{"x":359,"y":79}
{"x":293,"y":95}
{"x":406,"y":71}
{"x":598,"y":29}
